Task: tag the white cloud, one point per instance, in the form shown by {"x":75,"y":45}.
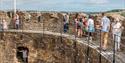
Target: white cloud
{"x":49,"y":2}
{"x":96,"y":2}
{"x":64,"y":4}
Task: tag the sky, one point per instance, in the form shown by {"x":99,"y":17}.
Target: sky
{"x":64,"y":5}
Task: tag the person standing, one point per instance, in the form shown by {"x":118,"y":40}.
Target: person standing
{"x":17,"y":24}
{"x":4,"y":25}
{"x":39,"y":18}
{"x":76,"y":24}
{"x":84,"y":25}
{"x":117,"y":31}
{"x":66,"y":22}
{"x":25,"y":56}
{"x":1,"y":25}
{"x":29,"y":17}
{"x":91,"y":28}
{"x":105,"y":27}
{"x":80,"y":27}
{"x":16,"y":19}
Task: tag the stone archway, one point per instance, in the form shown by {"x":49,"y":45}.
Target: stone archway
{"x":22,"y":54}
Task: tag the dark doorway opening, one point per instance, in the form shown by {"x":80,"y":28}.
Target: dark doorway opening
{"x":22,"y":54}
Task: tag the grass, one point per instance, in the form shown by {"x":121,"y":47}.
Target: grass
{"x":123,"y":14}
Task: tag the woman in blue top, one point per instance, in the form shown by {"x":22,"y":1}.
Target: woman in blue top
{"x":91,"y":28}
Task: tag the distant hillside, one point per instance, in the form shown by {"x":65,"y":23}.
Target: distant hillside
{"x":116,"y":10}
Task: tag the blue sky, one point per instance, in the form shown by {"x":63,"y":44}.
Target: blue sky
{"x":65,"y":5}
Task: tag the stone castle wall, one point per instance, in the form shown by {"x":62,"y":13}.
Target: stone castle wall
{"x":45,"y":49}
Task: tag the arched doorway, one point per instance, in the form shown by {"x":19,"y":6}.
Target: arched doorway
{"x":22,"y":54}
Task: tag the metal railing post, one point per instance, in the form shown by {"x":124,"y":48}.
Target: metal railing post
{"x":88,"y":49}
{"x":100,"y":58}
{"x":22,"y":25}
{"x":114,"y":51}
{"x":75,"y":50}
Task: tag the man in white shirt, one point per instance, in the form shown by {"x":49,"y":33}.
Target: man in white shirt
{"x":105,"y":27}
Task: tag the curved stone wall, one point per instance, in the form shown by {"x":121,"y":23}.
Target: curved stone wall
{"x":45,"y":48}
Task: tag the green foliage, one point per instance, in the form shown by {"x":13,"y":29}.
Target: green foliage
{"x":116,"y":10}
{"x":123,"y":14}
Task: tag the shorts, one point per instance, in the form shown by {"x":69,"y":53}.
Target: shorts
{"x":91,"y":29}
{"x":84,"y":30}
